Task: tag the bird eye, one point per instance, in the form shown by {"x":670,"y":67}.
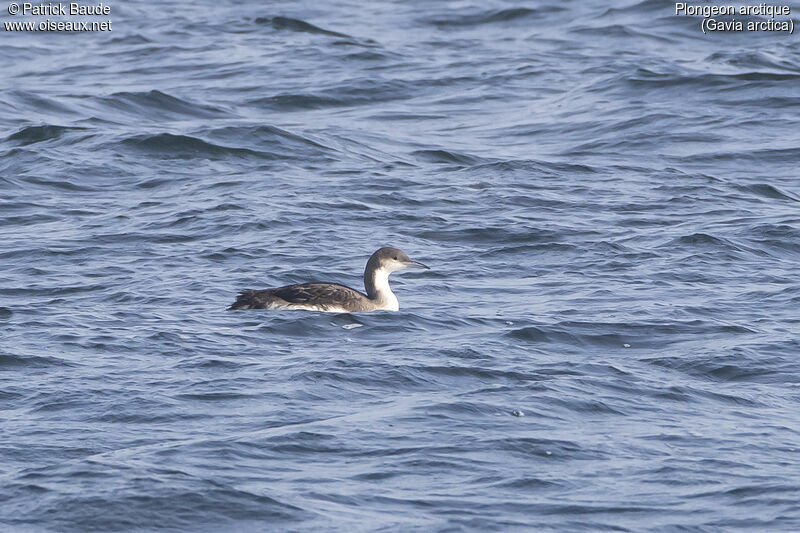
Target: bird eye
{"x":395,"y":258}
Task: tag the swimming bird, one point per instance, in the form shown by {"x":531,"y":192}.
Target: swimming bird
{"x":335,"y":298}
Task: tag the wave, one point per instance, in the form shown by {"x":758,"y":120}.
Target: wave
{"x":9,"y":361}
{"x":298,"y":25}
{"x":157,"y":105}
{"x":187,"y":146}
{"x":625,"y":335}
{"x":41,"y":133}
{"x":446,"y":157}
{"x":765,"y":190}
{"x":348,"y":93}
{"x":514,"y":14}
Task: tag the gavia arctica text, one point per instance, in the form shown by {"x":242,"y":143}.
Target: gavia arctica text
{"x":335,"y":298}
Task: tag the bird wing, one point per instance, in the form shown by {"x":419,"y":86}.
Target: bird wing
{"x":321,"y":295}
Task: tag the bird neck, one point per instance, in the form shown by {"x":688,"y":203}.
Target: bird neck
{"x":376,"y":282}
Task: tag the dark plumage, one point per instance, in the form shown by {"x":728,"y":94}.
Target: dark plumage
{"x":333,"y":297}
{"x":326,"y":296}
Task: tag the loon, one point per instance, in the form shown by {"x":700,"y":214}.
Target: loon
{"x":335,"y":298}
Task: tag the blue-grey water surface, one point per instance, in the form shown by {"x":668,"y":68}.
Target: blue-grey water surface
{"x":607,"y":339}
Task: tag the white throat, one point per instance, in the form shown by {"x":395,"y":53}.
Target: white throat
{"x":385,"y":298}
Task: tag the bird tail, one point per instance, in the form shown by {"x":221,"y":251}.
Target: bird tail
{"x":243,"y":301}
